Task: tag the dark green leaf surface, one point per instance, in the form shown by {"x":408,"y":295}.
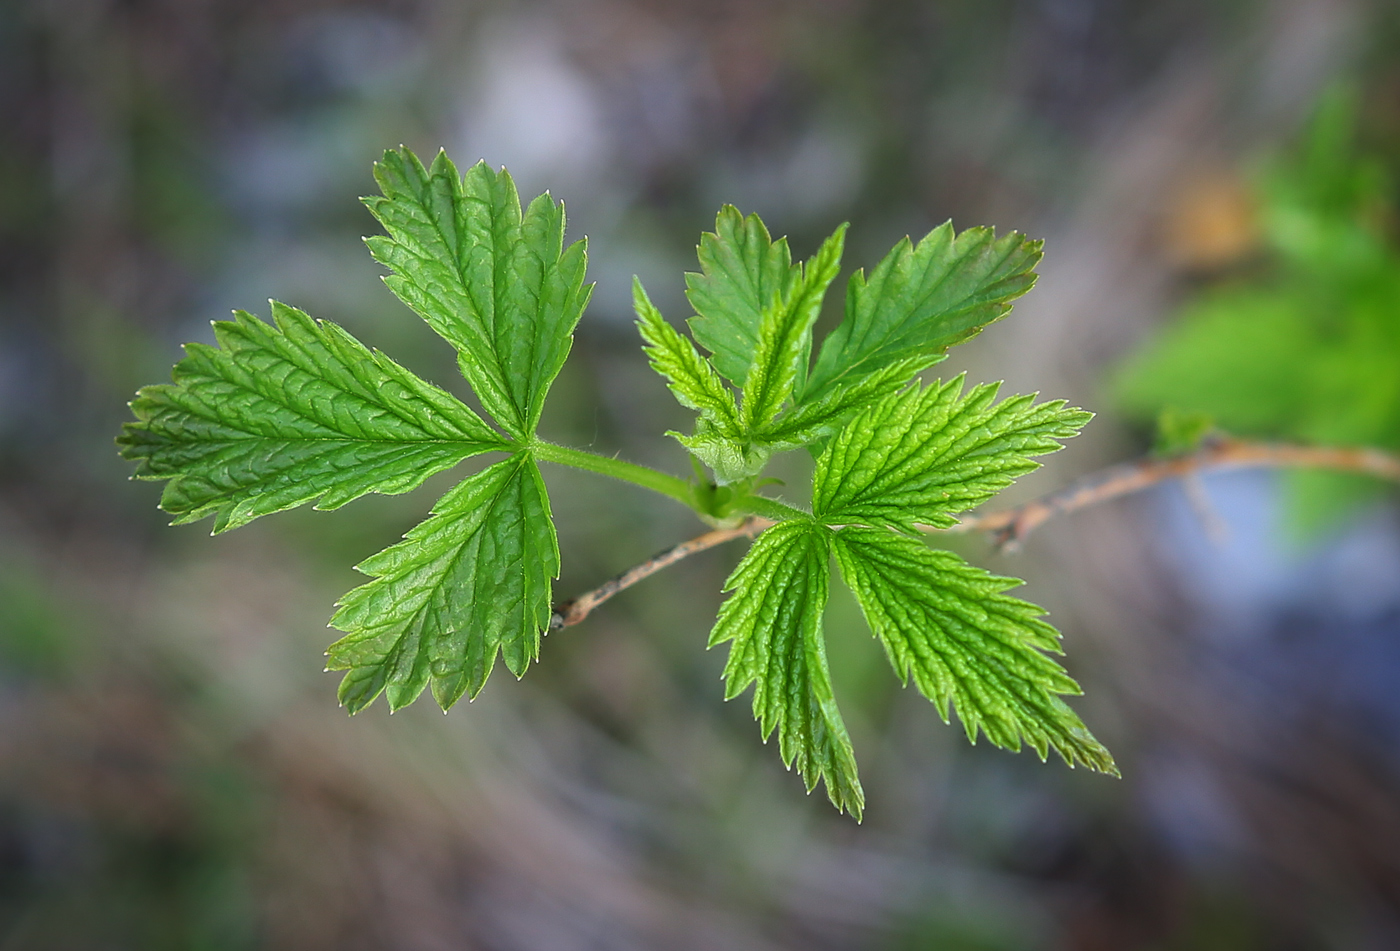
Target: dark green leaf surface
{"x":278,"y":416}
{"x":785,"y":337}
{"x":923,"y":455}
{"x":965,"y":643}
{"x":921,"y":300}
{"x":501,"y":287}
{"x":743,"y":272}
{"x":471,"y":580}
{"x":773,"y":619}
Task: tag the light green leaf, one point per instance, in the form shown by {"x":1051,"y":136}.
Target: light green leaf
{"x":472,"y":579}
{"x":499,"y":286}
{"x":744,"y":272}
{"x":949,"y":626}
{"x":278,"y":416}
{"x":689,"y":375}
{"x":920,"y":456}
{"x":815,"y":422}
{"x":1240,"y":355}
{"x":774,"y":621}
{"x":1180,"y":432}
{"x":785,"y":337}
{"x":729,"y":458}
{"x":718,"y":441}
{"x":924,"y":299}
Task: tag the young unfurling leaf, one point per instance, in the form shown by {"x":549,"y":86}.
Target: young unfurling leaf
{"x":743,"y":272}
{"x":785,"y":337}
{"x":811,"y":424}
{"x":689,"y":375}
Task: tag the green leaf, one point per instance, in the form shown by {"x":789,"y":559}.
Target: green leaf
{"x":1241,"y":356}
{"x":731,"y":459}
{"x":774,"y":619}
{"x":689,"y":375}
{"x":785,"y":337}
{"x":920,"y":456}
{"x":472,"y":579}
{"x":1180,"y":432}
{"x":278,"y":416}
{"x":815,"y":422}
{"x":744,"y":272}
{"x":948,"y":625}
{"x":921,"y":300}
{"x":499,"y":286}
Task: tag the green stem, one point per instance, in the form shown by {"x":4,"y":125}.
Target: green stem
{"x":668,"y":485}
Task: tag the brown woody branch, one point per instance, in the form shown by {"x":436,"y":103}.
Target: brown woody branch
{"x":571,"y":612}
{"x":1009,"y":527}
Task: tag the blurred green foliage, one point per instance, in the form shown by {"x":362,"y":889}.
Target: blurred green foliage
{"x":1306,"y":344}
{"x":1180,"y":432}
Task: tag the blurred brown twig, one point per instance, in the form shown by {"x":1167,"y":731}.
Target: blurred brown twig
{"x":571,"y":612}
{"x":1009,"y":527}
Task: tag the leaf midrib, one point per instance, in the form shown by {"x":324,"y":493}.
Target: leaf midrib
{"x":922,"y":302}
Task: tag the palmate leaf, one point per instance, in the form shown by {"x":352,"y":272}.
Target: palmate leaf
{"x":923,"y":455}
{"x":299,"y":411}
{"x":471,"y":580}
{"x":922,"y":299}
{"x":774,"y":621}
{"x":278,"y":416}
{"x":964,"y":642}
{"x":743,"y":272}
{"x":499,"y":286}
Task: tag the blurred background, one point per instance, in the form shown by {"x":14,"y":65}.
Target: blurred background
{"x":174,"y":771}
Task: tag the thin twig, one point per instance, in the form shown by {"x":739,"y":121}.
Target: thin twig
{"x":571,"y":612}
{"x":1010,"y":527}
